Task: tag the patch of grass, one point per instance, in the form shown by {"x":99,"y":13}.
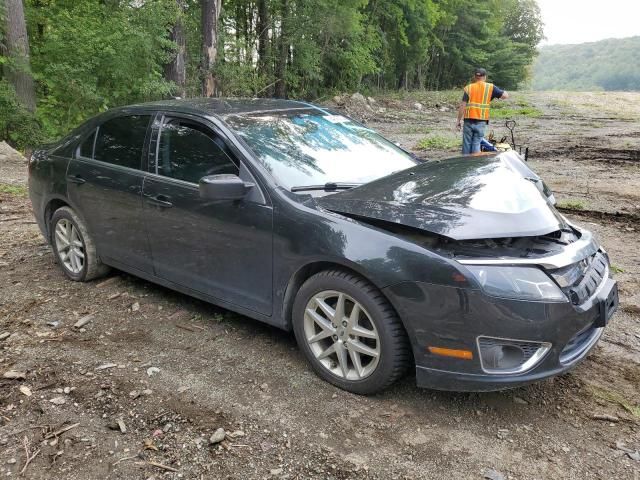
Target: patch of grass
{"x":615,"y":397}
{"x":439,"y":142}
{"x":572,"y":205}
{"x":509,"y":111}
{"x":15,"y":190}
{"x":616,"y":269}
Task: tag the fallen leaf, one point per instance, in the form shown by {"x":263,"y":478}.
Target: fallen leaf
{"x":148,"y":445}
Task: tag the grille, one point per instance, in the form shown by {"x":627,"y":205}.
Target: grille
{"x":577,"y":344}
{"x":520,"y":356}
{"x":581,"y":280}
{"x":528,"y":349}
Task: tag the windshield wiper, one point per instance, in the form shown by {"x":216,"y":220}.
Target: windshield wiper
{"x":327,"y":187}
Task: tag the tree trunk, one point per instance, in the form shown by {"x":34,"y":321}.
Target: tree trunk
{"x":175,"y":71}
{"x":248,"y":28}
{"x":210,"y":15}
{"x":283,"y":54}
{"x":238,"y":30}
{"x":17,"y":46}
{"x":263,"y":38}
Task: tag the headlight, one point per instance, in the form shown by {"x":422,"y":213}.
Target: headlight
{"x":522,"y":283}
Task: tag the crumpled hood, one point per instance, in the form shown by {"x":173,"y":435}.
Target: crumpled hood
{"x":461,"y":198}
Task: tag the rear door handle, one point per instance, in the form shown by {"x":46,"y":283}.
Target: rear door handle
{"x":159,"y":200}
{"x":77,"y":179}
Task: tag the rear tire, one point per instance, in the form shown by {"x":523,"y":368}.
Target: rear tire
{"x":349,"y":332}
{"x":74,"y":248}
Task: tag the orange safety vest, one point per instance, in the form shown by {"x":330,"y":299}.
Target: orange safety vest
{"x":479,"y":102}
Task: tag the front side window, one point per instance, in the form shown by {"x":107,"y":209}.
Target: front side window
{"x":189,"y":151}
{"x":121,"y":140}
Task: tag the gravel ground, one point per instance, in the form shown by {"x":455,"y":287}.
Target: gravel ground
{"x":144,"y":387}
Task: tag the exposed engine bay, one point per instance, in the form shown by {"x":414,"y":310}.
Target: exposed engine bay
{"x":514,"y":247}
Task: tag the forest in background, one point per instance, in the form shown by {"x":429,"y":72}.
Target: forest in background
{"x":609,"y":65}
{"x":66,"y":60}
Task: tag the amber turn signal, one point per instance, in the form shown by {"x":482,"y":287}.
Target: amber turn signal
{"x":449,"y":352}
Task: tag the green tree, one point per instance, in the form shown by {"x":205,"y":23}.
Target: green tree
{"x":605,"y":65}
{"x":210,"y":14}
{"x":17,"y":67}
{"x":175,"y":70}
{"x":522,"y":23}
{"x":18,"y":124}
{"x":90,"y":55}
{"x":405,"y":29}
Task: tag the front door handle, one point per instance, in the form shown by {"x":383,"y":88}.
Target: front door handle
{"x":77,"y":179}
{"x":159,"y":200}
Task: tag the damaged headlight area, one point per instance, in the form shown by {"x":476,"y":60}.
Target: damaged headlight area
{"x":521,"y":283}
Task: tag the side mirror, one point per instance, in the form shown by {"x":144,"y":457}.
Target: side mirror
{"x":223,"y":187}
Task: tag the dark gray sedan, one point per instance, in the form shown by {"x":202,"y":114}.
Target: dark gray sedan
{"x":304,"y":219}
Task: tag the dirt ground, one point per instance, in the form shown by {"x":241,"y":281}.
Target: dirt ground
{"x":138,"y":391}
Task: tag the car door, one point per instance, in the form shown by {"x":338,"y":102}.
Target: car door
{"x":104,"y":182}
{"x":222,"y":249}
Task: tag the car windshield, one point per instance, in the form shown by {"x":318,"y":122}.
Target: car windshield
{"x":313,"y":147}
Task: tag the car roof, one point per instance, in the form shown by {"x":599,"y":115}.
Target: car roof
{"x":223,"y":107}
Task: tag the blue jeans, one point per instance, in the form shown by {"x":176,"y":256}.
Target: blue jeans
{"x":472,"y":133}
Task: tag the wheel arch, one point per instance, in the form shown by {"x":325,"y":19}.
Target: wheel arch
{"x":52,"y":205}
{"x":307,"y":271}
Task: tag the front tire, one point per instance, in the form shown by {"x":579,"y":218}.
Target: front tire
{"x":74,"y":248}
{"x":349,"y":332}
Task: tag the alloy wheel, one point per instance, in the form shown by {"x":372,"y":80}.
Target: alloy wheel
{"x":69,"y":246}
{"x":341,"y":335}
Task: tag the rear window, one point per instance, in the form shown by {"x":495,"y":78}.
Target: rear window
{"x":121,"y":140}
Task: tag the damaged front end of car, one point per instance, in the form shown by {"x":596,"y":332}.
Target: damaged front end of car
{"x":535,"y":307}
{"x":537,"y":292}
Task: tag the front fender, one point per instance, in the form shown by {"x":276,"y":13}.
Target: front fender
{"x":307,"y":238}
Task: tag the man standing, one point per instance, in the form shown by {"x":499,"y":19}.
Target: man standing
{"x":474,"y":108}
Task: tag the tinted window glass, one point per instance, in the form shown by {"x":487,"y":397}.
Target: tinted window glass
{"x":120,"y":140}
{"x":189,"y":151}
{"x":86,"y":149}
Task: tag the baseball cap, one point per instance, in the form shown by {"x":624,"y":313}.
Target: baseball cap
{"x":480,"y":72}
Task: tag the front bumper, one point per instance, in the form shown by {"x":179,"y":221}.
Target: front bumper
{"x":471,"y":382}
{"x":454,"y":318}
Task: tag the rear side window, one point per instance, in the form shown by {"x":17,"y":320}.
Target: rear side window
{"x":121,"y":140}
{"x":189,"y":151}
{"x":86,"y":149}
